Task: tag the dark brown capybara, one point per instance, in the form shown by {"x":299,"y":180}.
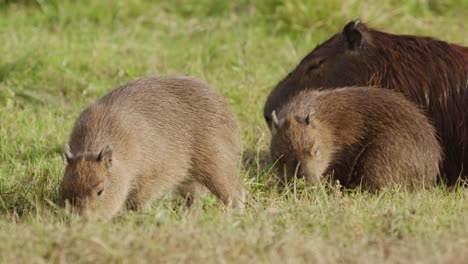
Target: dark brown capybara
{"x":150,"y":137}
{"x":429,"y":72}
{"x":361,"y":136}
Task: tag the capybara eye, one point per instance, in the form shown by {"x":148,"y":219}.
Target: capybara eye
{"x":99,"y":193}
{"x":315,"y":151}
{"x":315,"y":65}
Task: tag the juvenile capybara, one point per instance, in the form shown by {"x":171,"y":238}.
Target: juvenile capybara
{"x":150,"y":137}
{"x":429,"y":72}
{"x":361,"y":136}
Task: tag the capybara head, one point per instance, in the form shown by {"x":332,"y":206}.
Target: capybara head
{"x":87,"y":186}
{"x":332,"y":64}
{"x":298,"y":148}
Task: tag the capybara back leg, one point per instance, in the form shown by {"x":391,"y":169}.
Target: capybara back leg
{"x":224,"y":184}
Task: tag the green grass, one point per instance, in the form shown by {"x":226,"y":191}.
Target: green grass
{"x":59,"y":56}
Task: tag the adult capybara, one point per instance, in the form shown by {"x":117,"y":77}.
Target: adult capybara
{"x":429,"y":72}
{"x":361,"y":136}
{"x":149,"y":137}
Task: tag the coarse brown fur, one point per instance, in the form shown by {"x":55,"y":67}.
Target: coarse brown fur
{"x":361,"y":136}
{"x":150,"y":137}
{"x":429,"y":72}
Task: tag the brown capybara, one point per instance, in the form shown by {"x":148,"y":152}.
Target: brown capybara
{"x":361,"y":136}
{"x":429,"y":72}
{"x":150,"y":137}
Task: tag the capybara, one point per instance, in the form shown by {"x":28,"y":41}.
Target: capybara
{"x":429,"y":72}
{"x":150,"y":137}
{"x":361,"y":136}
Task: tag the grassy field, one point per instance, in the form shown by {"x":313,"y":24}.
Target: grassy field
{"x":59,"y":56}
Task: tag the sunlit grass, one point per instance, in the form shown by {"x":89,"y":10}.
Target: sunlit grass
{"x":59,"y":56}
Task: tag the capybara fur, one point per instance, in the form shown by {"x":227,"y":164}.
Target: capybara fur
{"x":361,"y":136}
{"x":429,"y":72}
{"x":150,"y":137}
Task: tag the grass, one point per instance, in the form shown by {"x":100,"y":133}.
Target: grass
{"x":59,"y":56}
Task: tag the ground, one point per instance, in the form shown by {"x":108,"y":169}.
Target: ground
{"x":59,"y":56}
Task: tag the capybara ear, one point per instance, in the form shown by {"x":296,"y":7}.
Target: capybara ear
{"x":352,"y":35}
{"x":309,"y":120}
{"x":105,"y":155}
{"x":275,"y":121}
{"x":68,"y":153}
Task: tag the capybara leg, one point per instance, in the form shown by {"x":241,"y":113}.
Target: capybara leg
{"x":152,"y":188}
{"x":227,"y":189}
{"x":187,"y":191}
{"x":382,"y":167}
{"x":369,"y":170}
{"x":138,"y":200}
{"x":191,"y":191}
